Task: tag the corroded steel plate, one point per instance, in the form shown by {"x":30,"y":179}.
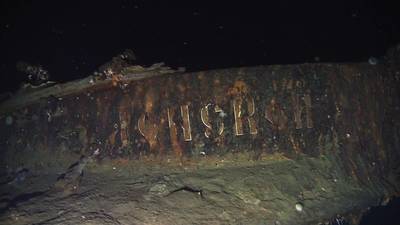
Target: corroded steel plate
{"x":295,"y":109}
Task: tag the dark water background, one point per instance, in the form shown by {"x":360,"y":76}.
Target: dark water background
{"x":72,"y":38}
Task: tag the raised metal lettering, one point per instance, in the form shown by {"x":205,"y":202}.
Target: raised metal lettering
{"x":205,"y":118}
{"x":239,"y":115}
{"x":187,"y":133}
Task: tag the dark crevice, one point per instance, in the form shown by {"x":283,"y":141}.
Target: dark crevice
{"x":20,"y":198}
{"x":383,"y":215}
{"x":189,"y":189}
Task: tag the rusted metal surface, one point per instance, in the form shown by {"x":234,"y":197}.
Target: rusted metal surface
{"x":349,"y":110}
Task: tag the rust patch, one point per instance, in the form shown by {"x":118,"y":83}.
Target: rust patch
{"x":276,"y":116}
{"x":325,"y":109}
{"x":148,"y":127}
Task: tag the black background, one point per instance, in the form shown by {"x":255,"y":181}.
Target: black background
{"x":72,"y":38}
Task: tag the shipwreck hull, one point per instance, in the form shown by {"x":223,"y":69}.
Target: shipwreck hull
{"x":348,"y":113}
{"x":309,"y":109}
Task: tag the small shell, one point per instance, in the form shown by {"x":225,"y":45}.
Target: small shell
{"x":299,"y":207}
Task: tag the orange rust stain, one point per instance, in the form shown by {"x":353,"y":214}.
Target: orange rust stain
{"x":181,"y":87}
{"x":240,"y":93}
{"x":147,"y":126}
{"x":173,"y":131}
{"x":295,"y":144}
{"x":112,"y":138}
{"x":276,"y":116}
{"x":150,"y":100}
{"x":239,"y":88}
{"x":116,"y":79}
{"x":148,"y":123}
